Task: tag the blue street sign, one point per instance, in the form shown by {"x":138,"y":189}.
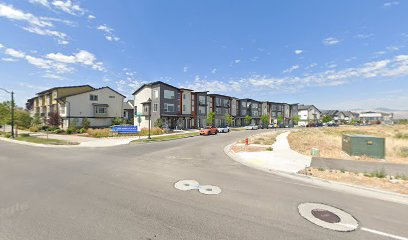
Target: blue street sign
{"x":125,"y":129}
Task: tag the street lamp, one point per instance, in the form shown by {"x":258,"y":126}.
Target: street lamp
{"x":150,"y":115}
{"x":12,"y":110}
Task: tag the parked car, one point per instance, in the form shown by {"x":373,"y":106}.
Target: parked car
{"x":223,"y":129}
{"x":251,"y":127}
{"x":273,"y":126}
{"x":209,"y":131}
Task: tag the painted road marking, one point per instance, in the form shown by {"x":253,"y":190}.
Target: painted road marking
{"x":186,"y":185}
{"x":383,"y":234}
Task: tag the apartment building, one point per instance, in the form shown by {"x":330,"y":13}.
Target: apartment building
{"x":45,"y":103}
{"x":376,"y":117}
{"x":200,"y":106}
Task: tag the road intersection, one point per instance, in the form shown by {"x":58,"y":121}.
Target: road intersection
{"x":127,"y":192}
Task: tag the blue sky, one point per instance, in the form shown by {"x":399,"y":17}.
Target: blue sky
{"x":334,"y":54}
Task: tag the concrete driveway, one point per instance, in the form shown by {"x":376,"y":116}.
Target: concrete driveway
{"x":127,"y":192}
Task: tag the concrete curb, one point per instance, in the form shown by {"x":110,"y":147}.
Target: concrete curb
{"x":78,"y":145}
{"x":332,"y":185}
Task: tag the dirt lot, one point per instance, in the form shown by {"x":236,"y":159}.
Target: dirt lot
{"x":384,"y":182}
{"x":328,"y":140}
{"x":257,"y":143}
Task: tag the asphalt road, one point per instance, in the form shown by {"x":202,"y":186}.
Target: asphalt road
{"x":127,"y":192}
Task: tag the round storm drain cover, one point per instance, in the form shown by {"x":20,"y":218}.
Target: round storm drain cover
{"x":186,"y":185}
{"x":328,"y":217}
{"x":325,"y":215}
{"x":209,"y":189}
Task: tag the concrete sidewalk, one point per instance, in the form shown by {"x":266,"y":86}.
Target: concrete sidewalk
{"x":282,"y":158}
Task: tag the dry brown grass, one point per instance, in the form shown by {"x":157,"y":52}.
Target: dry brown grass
{"x":328,"y":140}
{"x":356,"y":179}
{"x":267,"y":138}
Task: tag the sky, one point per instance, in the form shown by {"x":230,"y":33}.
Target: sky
{"x":334,"y":54}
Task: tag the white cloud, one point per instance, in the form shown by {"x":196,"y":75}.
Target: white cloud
{"x":9,"y":59}
{"x":237,"y":61}
{"x":33,"y":24}
{"x":390,"y":4}
{"x":332,"y":66}
{"x":185,"y":69}
{"x":214,"y":70}
{"x":45,"y":3}
{"x":380,"y":52}
{"x":330,"y":41}
{"x":214,"y":86}
{"x":14,"y":53}
{"x":291,"y":69}
{"x":69,"y":7}
{"x":1,"y":45}
{"x":53,"y":76}
{"x":108,"y":33}
{"x":393,"y":48}
{"x":91,"y":17}
{"x":298,"y":51}
{"x":364,"y":36}
{"x":82,"y":57}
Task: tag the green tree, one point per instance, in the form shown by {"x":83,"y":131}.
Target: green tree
{"x":279,"y":119}
{"x":210,"y":118}
{"x":229,"y":119}
{"x":159,"y":123}
{"x":248,"y":119}
{"x":22,"y":118}
{"x":5,"y":112}
{"x":74,"y":124}
{"x":327,"y":119}
{"x":36,"y":121}
{"x":264,"y":120}
{"x":296,"y":119}
{"x":85,"y":123}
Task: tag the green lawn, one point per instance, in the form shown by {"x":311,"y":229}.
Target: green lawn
{"x":169,"y":137}
{"x":43,"y":140}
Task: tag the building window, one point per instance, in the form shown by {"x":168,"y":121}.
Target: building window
{"x":169,"y":94}
{"x":218,"y":110}
{"x":201,"y":99}
{"x":156,"y":94}
{"x":93,"y":97}
{"x":155,"y":107}
{"x":168,"y":107}
{"x":201,"y":110}
{"x":146,"y":109}
{"x":184,"y":96}
{"x":184,"y":107}
{"x":101,"y":110}
{"x":111,"y":96}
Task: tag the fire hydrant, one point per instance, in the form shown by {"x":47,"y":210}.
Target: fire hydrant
{"x":246,"y":141}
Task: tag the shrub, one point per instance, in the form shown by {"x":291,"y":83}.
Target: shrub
{"x":85,"y":123}
{"x":7,"y":135}
{"x":82,"y":130}
{"x":401,"y":135}
{"x":269,"y":149}
{"x":404,"y":152}
{"x":117,"y":121}
{"x":70,"y":130}
{"x":33,"y":129}
{"x":58,"y":131}
{"x":24,"y":135}
{"x":321,"y":169}
{"x":98,"y":133}
{"x":45,"y":127}
{"x":153,"y":131}
{"x":159,"y":123}
{"x":378,"y":173}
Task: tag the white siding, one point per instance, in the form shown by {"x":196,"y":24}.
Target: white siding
{"x":142,"y":96}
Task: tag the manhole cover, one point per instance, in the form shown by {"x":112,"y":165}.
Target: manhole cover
{"x":325,"y":215}
{"x":186,"y":185}
{"x":209,"y":189}
{"x":328,"y":217}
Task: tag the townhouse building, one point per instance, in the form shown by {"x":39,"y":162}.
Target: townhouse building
{"x":248,"y":107}
{"x":308,"y":114}
{"x":285,"y":110}
{"x":74,"y":103}
{"x":44,"y":104}
{"x":376,"y":117}
{"x":128,"y":111}
{"x":200,"y":107}
{"x":99,"y":106}
{"x":220,"y":105}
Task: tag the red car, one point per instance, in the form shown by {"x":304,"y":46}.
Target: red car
{"x":208,"y":131}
